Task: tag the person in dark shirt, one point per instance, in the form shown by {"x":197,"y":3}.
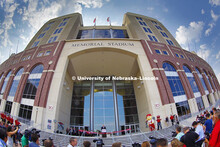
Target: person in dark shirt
{"x":190,"y":137}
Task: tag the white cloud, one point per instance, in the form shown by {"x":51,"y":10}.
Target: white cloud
{"x":214,"y":16}
{"x":185,"y":35}
{"x":214,"y":2}
{"x":150,"y":8}
{"x":202,"y":11}
{"x":203,"y":52}
{"x":9,"y":8}
{"x":218,"y":55}
{"x":2,"y":58}
{"x":208,"y":31}
{"x":78,"y":8}
{"x":20,"y":11}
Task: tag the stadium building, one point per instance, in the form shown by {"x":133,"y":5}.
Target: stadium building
{"x":87,"y":76}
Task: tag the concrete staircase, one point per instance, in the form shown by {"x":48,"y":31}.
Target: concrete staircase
{"x":61,"y":140}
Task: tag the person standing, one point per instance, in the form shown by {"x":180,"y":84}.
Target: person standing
{"x":103,"y":129}
{"x":24,"y":139}
{"x":159,"y":126}
{"x":10,"y":132}
{"x":172,"y":119}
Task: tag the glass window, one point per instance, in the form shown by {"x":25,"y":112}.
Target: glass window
{"x":177,"y":55}
{"x":52,"y":39}
{"x":173,"y":79}
{"x":5,"y":83}
{"x":200,"y":103}
{"x":144,"y":23}
{"x":165,"y":53}
{"x":119,"y":34}
{"x":57,"y":31}
{"x":201,"y":79}
{"x":154,"y":22}
{"x":140,"y":23}
{"x":208,"y":80}
{"x":171,"y":42}
{"x":41,"y":36}
{"x":102,"y":34}
{"x":65,"y":19}
{"x":8,"y":107}
{"x":104,"y":111}
{"x":40,"y":54}
{"x":60,"y":30}
{"x":25,"y":111}
{"x":127,"y":107}
{"x":35,"y":44}
{"x":47,"y":53}
{"x":64,"y":23}
{"x":183,"y":110}
{"x":85,"y":34}
{"x":155,"y":39}
{"x":149,"y":36}
{"x":15,"y":82}
{"x":145,"y":29}
{"x":158,"y":51}
{"x":182,"y":56}
{"x":47,"y":28}
{"x":149,"y":30}
{"x":191,"y":79}
{"x":33,"y":82}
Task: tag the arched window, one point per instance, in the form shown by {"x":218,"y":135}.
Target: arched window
{"x":194,"y":87}
{"x":15,"y":83}
{"x":12,"y":91}
{"x":209,"y":81}
{"x":30,"y":91}
{"x":202,"y":81}
{"x":5,"y":83}
{"x":174,"y":80}
{"x":178,"y":92}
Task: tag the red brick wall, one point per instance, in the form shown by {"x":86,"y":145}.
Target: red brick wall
{"x":162,"y":83}
{"x":28,"y":65}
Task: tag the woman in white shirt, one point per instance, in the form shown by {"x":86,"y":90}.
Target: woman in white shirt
{"x":10,"y":132}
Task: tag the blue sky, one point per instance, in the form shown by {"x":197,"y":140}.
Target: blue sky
{"x":194,"y":23}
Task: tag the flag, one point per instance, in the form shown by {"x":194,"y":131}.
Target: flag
{"x":94,"y":21}
{"x":108,"y":20}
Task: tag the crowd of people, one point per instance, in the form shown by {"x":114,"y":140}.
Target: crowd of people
{"x":204,"y":132}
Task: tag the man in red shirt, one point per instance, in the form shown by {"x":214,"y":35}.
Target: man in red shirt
{"x":214,"y":140}
{"x":159,"y":126}
{"x":172,"y":119}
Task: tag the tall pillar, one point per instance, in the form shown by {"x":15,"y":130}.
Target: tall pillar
{"x":92,"y":107}
{"x":115,"y":106}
